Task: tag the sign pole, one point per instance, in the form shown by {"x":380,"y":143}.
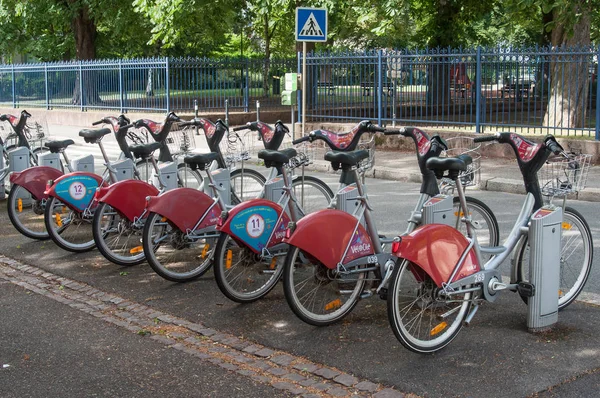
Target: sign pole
{"x":311,"y":25}
{"x":303,"y":86}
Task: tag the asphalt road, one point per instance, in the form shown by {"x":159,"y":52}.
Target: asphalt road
{"x":495,"y":356}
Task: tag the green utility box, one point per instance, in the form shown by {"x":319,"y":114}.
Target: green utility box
{"x":288,"y":97}
{"x":291,"y":82}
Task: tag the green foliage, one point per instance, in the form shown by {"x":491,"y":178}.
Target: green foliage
{"x":187,"y":27}
{"x":43,"y":28}
{"x":132,"y":28}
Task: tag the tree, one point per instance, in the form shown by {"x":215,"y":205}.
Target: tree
{"x":188,"y":27}
{"x":567,"y":24}
{"x":267,"y":16}
{"x":569,"y":82}
{"x":62,"y":29}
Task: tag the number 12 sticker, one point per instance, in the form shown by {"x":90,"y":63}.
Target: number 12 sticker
{"x":77,"y":190}
{"x":255,"y":226}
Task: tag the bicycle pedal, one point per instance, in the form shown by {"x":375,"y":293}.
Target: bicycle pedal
{"x":366,"y":294}
{"x":526,"y":289}
{"x":383,"y":294}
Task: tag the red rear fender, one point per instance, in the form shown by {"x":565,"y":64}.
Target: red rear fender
{"x":325,"y":234}
{"x":34,"y":179}
{"x":127,"y":196}
{"x":184,"y":207}
{"x":252,"y":222}
{"x":436,"y":249}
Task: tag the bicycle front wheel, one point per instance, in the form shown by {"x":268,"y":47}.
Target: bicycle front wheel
{"x":173,"y":254}
{"x":484,"y":220}
{"x":246,"y":184}
{"x":319,"y":295}
{"x":576,"y":256}
{"x":242,"y":275}
{"x":117,"y":238}
{"x":311,"y":194}
{"x":70,"y":230}
{"x":422,"y":319}
{"x":188,"y":178}
{"x":26,"y":213}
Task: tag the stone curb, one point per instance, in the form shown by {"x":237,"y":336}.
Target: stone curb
{"x":280,"y":370}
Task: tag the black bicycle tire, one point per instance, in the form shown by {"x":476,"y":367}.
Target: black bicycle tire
{"x":13,"y":218}
{"x":488,"y":211}
{"x":99,"y":239}
{"x":588,"y":266}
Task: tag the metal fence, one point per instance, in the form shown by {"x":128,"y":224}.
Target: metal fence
{"x":157,"y":84}
{"x":479,"y":89}
{"x":476,"y":89}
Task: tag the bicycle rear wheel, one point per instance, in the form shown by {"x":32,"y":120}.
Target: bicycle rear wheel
{"x":116,"y":237}
{"x":242,"y":275}
{"x":70,"y":230}
{"x":488,"y":232}
{"x":423,"y":320}
{"x":172,"y":254}
{"x":26,"y":213}
{"x":246,"y":184}
{"x":576,"y":257}
{"x":318,"y":295}
{"x":311,"y":194}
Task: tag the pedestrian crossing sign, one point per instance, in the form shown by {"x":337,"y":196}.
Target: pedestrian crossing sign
{"x":311,"y":24}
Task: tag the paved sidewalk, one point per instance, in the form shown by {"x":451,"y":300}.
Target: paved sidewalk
{"x":262,"y":349}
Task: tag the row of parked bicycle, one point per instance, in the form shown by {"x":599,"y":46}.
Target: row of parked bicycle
{"x":325,"y":247}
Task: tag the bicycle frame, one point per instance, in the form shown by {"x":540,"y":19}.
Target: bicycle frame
{"x":339,"y":245}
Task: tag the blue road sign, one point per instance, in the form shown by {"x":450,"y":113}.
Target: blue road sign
{"x":311,"y":24}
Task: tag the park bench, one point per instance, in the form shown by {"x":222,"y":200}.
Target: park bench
{"x":461,"y":88}
{"x":367,"y":86}
{"x":328,"y":85}
{"x":519,"y":89}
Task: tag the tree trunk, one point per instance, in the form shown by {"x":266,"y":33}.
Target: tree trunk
{"x":150,"y":84}
{"x":85,"y":33}
{"x":438,"y":82}
{"x":569,"y":80}
{"x":266,"y":71}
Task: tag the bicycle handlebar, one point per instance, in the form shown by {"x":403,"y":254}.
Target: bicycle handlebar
{"x":301,"y":140}
{"x":486,"y":138}
{"x":192,"y":122}
{"x":375,"y":129}
{"x":438,"y":144}
{"x":394,"y":132}
{"x":239,"y":128}
{"x":98,"y":122}
{"x":552,"y":145}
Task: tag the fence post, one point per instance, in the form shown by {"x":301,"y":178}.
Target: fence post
{"x":13,"y":86}
{"x":80,"y":86}
{"x":478,"y":93}
{"x":598,"y":95}
{"x":167,"y":83}
{"x":246,"y":87}
{"x":46,"y":84}
{"x":379,"y":85}
{"x":298,"y":99}
{"x":120,"y":86}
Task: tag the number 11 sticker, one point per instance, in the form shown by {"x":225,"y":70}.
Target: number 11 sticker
{"x":255,"y":226}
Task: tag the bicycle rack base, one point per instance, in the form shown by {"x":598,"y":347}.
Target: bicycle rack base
{"x":544,"y":267}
